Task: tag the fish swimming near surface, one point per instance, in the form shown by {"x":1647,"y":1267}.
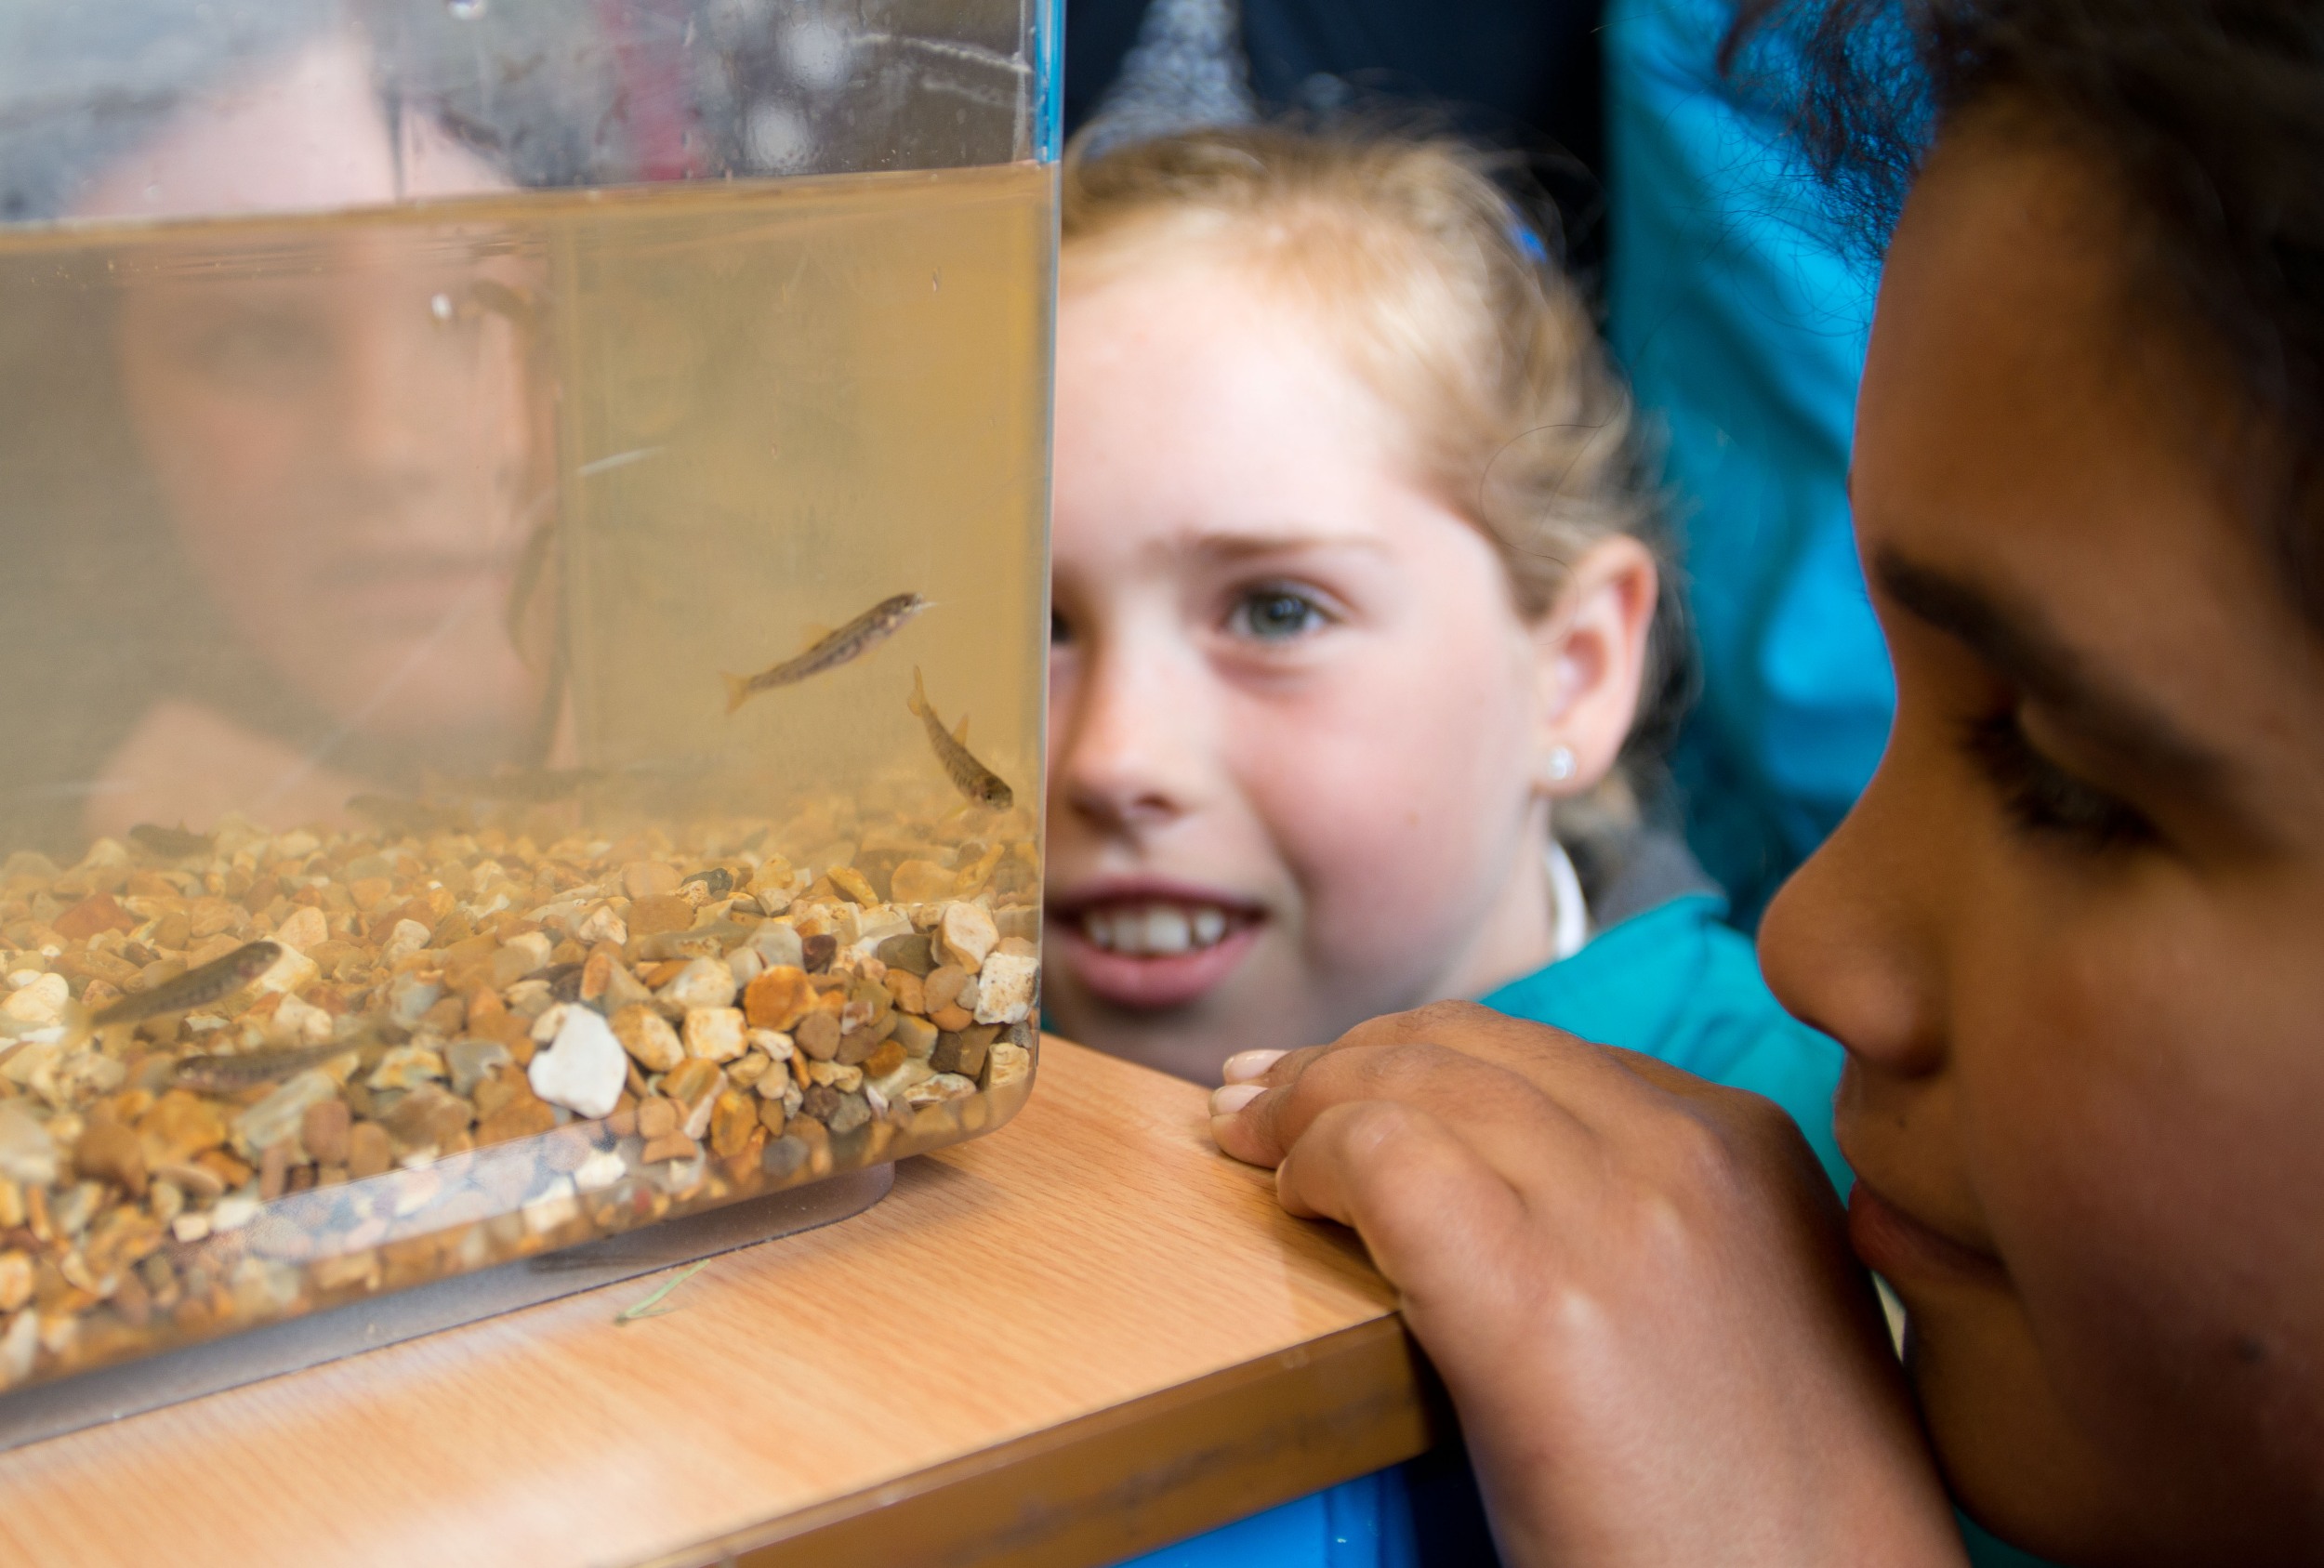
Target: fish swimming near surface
{"x":973,"y":779}
{"x":171,"y":843}
{"x":858,"y":637}
{"x":198,"y":987}
{"x":231,"y":1072}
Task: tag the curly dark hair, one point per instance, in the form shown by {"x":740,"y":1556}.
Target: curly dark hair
{"x":2209,"y":113}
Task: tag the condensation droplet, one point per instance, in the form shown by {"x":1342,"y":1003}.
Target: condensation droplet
{"x":440,"y":307}
{"x":465,"y":11}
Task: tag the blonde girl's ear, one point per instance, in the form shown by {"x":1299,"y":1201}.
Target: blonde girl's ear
{"x":1590,"y":656}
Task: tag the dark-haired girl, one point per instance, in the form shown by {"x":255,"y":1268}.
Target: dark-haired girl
{"x":2069,"y":937}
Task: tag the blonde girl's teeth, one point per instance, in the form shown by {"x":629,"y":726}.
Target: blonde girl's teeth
{"x":1209,"y":924}
{"x":1167,"y":930}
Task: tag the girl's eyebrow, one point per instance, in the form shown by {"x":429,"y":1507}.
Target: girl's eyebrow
{"x":1241,"y":546}
{"x":2022,"y":645}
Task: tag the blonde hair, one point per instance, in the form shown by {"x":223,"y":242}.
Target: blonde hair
{"x":1425,"y":271}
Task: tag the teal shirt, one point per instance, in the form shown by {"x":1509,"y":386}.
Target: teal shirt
{"x":1678,"y":984}
{"x":1674,"y":983}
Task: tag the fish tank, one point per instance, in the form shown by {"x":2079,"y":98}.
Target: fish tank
{"x":526,"y":538}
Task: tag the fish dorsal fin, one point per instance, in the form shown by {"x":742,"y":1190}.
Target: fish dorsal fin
{"x":815,"y":634}
{"x":961,"y":730}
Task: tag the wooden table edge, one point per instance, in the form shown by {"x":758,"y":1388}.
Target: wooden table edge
{"x":1131,"y":1477}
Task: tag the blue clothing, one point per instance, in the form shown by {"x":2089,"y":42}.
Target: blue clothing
{"x":1742,"y":325}
{"x":1676,"y":982}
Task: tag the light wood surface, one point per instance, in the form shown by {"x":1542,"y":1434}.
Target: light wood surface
{"x":1069,"y":1341}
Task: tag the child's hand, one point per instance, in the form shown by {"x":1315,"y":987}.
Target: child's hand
{"x":1635,"y":1284}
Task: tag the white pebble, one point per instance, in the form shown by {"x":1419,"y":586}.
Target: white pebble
{"x":407,"y":937}
{"x":715,"y":1034}
{"x":1004,"y":988}
{"x":967,"y":933}
{"x":37,"y":1004}
{"x":233,"y":1213}
{"x":305,"y":928}
{"x":585,"y":1067}
{"x":601,"y":1170}
{"x":705,"y":983}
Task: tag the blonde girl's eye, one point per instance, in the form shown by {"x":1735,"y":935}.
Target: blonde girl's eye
{"x":1276,"y":615}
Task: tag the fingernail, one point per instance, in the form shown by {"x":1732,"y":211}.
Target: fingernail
{"x":1243,"y":1066}
{"x":1233,"y":1098}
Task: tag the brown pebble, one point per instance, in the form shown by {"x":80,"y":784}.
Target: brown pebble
{"x":368,"y":1150}
{"x":446,"y":1016}
{"x":223,"y":1165}
{"x":527,"y":1116}
{"x":771,"y":1116}
{"x":674,"y":1146}
{"x":497,"y":1088}
{"x":883,"y":1061}
{"x":108,"y":1152}
{"x":324,"y":1130}
{"x":961,"y":1053}
{"x":646,"y":879}
{"x":777,"y":998}
{"x":691,"y":1079}
{"x":953,"y":1018}
{"x":659,"y":912}
{"x":819,"y":1102}
{"x":852,"y":885}
{"x":942,"y":985}
{"x":856,"y":1045}
{"x":274,"y":1170}
{"x":817,"y":952}
{"x":98,"y":912}
{"x":657,"y":1117}
{"x":731,"y":1122}
{"x":818,"y":1035}
{"x":905,"y":987}
{"x":196,"y":1181}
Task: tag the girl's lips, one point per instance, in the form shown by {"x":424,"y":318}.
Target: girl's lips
{"x":1148,"y":980}
{"x":1898,"y":1247}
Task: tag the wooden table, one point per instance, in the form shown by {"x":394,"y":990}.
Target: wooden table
{"x":1083,"y":1336}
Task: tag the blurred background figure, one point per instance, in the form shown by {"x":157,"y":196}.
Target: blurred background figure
{"x":271,"y":498}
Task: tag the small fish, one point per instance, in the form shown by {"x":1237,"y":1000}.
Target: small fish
{"x":973,"y":779}
{"x":392,"y":814}
{"x":717,"y":882}
{"x":220,"y":977}
{"x":171,"y":843}
{"x":229,"y":1074}
{"x":858,"y":637}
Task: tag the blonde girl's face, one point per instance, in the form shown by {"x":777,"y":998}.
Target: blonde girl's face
{"x":1298,"y":727}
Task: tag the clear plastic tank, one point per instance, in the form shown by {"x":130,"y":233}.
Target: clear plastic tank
{"x":508,"y":506}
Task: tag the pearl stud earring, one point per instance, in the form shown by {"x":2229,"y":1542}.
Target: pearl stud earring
{"x":1561,"y":764}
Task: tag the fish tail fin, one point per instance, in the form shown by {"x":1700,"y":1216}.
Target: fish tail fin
{"x":917,"y":701}
{"x":961,"y":730}
{"x":737,"y":690}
